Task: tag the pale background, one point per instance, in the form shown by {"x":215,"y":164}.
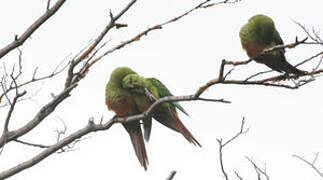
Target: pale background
{"x":184,"y":55}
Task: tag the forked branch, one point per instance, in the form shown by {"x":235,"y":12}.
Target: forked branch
{"x":311,"y":163}
{"x":223,"y":144}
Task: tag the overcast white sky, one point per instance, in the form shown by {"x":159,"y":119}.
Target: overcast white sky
{"x":184,"y":55}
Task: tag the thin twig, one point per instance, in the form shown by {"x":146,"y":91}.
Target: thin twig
{"x":309,"y":59}
{"x":171,"y":175}
{"x":258,"y":170}
{"x":242,"y":131}
{"x":92,"y":47}
{"x":34,"y":79}
{"x":31,"y":144}
{"x":222,"y":2}
{"x":257,"y":74}
{"x":311,"y":164}
{"x":12,"y":106}
{"x":20,"y":40}
{"x":145,"y":32}
{"x":278,"y":47}
{"x":315,"y":39}
{"x":48,"y":5}
{"x":43,"y":113}
{"x":221,"y":159}
{"x":238,"y":176}
{"x":222,"y":145}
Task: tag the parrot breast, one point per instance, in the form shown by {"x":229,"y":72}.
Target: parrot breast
{"x":254,"y":49}
{"x":119,"y":105}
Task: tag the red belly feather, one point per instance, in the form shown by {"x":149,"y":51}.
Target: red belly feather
{"x":120,"y":105}
{"x":254,"y":49}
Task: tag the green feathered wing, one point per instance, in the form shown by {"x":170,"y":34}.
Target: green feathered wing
{"x":166,"y":113}
{"x":163,"y":92}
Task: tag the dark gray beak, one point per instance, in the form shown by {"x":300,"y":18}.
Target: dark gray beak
{"x":130,"y":86}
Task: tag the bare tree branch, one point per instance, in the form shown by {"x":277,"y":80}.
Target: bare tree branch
{"x":309,"y":59}
{"x":61,"y":132}
{"x":86,"y":53}
{"x":222,"y":2}
{"x":145,"y":32}
{"x":242,"y":131}
{"x":225,"y":174}
{"x":31,"y":144}
{"x":257,"y":74}
{"x":5,"y":132}
{"x":12,"y":106}
{"x":222,"y":145}
{"x":171,"y":175}
{"x":48,"y":5}
{"x":311,"y":164}
{"x":20,"y":40}
{"x":43,"y":113}
{"x":48,"y":151}
{"x":238,"y":176}
{"x":258,"y":170}
{"x":278,"y":47}
{"x":57,"y":70}
{"x":315,"y":37}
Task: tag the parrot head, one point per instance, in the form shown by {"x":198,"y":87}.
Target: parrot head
{"x":134,"y":83}
{"x":259,"y":27}
{"x":119,"y":73}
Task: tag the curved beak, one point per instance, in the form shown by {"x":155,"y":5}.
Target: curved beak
{"x":129,"y":86}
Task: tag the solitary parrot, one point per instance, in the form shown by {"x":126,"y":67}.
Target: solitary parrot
{"x":260,"y":33}
{"x":122,"y":103}
{"x":165,"y":113}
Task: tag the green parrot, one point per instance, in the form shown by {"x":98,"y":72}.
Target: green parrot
{"x":260,"y":33}
{"x":122,"y":103}
{"x":166,"y":112}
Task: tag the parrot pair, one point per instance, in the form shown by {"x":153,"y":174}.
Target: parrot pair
{"x":260,"y":33}
{"x":125,"y":95}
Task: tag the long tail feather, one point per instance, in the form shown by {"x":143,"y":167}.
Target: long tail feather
{"x":288,"y":68}
{"x":147,"y":123}
{"x":183,"y":130}
{"x":138,"y":143}
{"x":279,"y":63}
{"x":180,"y":108}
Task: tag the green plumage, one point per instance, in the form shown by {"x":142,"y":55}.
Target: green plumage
{"x":114,"y":91}
{"x":260,"y":33}
{"x":165,"y":113}
{"x":121,"y":101}
{"x":260,"y":28}
{"x":163,"y":92}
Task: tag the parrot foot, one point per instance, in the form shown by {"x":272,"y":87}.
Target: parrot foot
{"x":286,"y":76}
